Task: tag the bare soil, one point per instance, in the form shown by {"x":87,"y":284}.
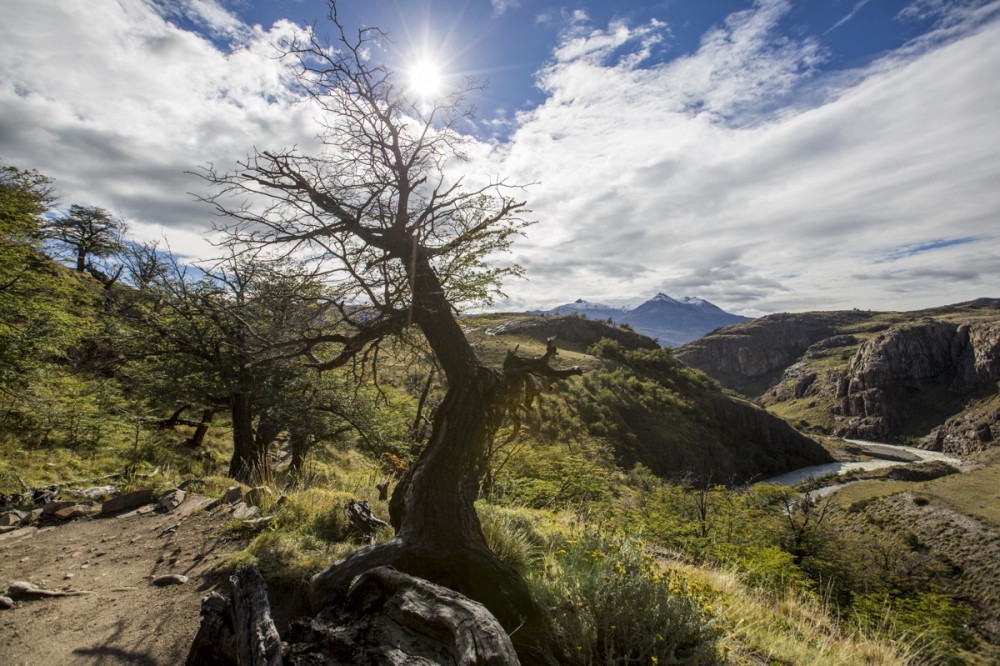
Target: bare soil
{"x":125,"y":618}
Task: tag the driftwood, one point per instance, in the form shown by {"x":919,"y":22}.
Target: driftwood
{"x":22,"y":588}
{"x":239,"y":629}
{"x":362,"y":521}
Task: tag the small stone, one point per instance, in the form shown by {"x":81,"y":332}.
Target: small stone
{"x":172,"y":498}
{"x":13,"y":517}
{"x":244,"y":511}
{"x":51,"y":507}
{"x":75,"y":511}
{"x":6,"y":602}
{"x":97,"y":492}
{"x":256,"y":495}
{"x":170,"y":579}
{"x":258,"y":523}
{"x":232,"y":495}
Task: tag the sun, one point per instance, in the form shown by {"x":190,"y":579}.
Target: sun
{"x":425,"y":79}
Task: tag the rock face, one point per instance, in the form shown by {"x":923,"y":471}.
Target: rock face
{"x":738,"y":356}
{"x":928,"y":377}
{"x":572,"y":329}
{"x":882,"y":386}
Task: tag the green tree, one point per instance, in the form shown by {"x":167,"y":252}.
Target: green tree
{"x":36,"y":302}
{"x":404,"y":245}
{"x":87,"y":232}
{"x":224,"y":337}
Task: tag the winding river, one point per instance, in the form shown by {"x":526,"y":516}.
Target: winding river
{"x":905,"y":455}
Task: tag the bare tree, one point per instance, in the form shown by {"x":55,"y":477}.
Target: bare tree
{"x":403,"y":246}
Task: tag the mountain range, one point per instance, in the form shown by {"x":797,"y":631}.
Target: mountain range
{"x":673,"y":322}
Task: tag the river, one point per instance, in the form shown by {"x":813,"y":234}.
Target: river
{"x":814,"y":471}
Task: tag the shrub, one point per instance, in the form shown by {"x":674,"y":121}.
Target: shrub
{"x":512,"y":534}
{"x":608,"y":603}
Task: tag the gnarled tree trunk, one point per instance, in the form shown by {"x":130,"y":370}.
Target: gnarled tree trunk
{"x":438,"y":534}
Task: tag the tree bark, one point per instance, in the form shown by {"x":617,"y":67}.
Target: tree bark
{"x":198,"y":438}
{"x":248,"y":464}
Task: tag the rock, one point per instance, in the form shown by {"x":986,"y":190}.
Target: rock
{"x":232,"y":495}
{"x":244,"y":511}
{"x":6,"y":602}
{"x":256,"y":496}
{"x":170,"y":579}
{"x":96,"y":492}
{"x":13,"y":517}
{"x":194,"y":503}
{"x":172,"y":498}
{"x":76,"y":511}
{"x":392,"y":618}
{"x":127,"y":501}
{"x":51,"y":507}
{"x":258,"y":523}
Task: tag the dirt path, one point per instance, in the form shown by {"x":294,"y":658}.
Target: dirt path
{"x":125,"y":619}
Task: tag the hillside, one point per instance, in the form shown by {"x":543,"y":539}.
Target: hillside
{"x":927,"y":376}
{"x":649,"y":407}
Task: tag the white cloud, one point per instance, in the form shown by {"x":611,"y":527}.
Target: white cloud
{"x":710,"y":175}
{"x":701,"y":177}
{"x":120,"y":103}
{"x":501,"y":6}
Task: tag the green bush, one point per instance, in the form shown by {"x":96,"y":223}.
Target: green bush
{"x":933,"y":622}
{"x":607,"y":603}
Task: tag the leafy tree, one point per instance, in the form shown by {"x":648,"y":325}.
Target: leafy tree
{"x":36,"y":316}
{"x":222,"y":337}
{"x":404,"y":245}
{"x":87,"y":232}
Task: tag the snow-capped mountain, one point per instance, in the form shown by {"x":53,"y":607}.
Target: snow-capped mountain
{"x":672,"y":321}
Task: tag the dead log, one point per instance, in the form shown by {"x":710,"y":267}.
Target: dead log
{"x":359,"y":514}
{"x":237,"y":630}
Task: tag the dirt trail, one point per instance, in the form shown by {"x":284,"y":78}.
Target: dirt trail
{"x":125,"y":619}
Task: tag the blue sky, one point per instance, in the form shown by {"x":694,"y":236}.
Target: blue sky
{"x":777,"y":155}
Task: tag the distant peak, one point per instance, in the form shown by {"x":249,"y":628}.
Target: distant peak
{"x":663,"y":297}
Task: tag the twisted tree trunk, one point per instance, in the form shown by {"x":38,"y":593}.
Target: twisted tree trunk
{"x":438,"y":534}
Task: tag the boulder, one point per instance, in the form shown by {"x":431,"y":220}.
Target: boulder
{"x":232,"y":495}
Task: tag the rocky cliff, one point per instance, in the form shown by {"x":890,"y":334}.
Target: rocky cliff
{"x":927,"y":377}
{"x":917,"y":373}
{"x":745,"y":355}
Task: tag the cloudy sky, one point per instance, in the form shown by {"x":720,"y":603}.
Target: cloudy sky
{"x":778,"y":155}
